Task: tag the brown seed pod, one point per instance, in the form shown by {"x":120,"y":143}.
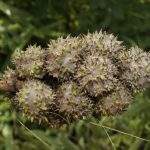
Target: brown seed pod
{"x":8,"y":82}
{"x":30,"y":63}
{"x":96,"y":74}
{"x":62,"y":57}
{"x":75,"y":77}
{"x":115,"y":103}
{"x":136,"y":68}
{"x":102,"y":43}
{"x":72,"y":104}
{"x":34,"y":99}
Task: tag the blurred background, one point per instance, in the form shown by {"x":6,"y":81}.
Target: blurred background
{"x":36,"y":21}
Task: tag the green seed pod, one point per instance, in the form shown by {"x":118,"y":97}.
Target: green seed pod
{"x":136,"y":68}
{"x":34,"y":99}
{"x":72,"y":104}
{"x":30,"y":63}
{"x":62,"y":57}
{"x":115,"y":103}
{"x":96,"y":74}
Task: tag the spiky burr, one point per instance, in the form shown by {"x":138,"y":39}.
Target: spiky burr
{"x":7,"y":81}
{"x":34,"y":99}
{"x":72,"y":103}
{"x":136,"y":68}
{"x":62,"y":57}
{"x":96,"y":74}
{"x":75,"y":78}
{"x":114,"y":103}
{"x":30,"y":63}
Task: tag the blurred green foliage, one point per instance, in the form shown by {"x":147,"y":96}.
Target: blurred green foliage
{"x":36,"y":21}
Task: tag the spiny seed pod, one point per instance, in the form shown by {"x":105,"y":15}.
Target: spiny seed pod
{"x":96,"y":74}
{"x":75,"y":78}
{"x":62,"y":57}
{"x":105,"y":44}
{"x":114,"y":103}
{"x":8,"y":81}
{"x":34,"y":99}
{"x":72,"y":104}
{"x":30,"y":63}
{"x":136,"y":68}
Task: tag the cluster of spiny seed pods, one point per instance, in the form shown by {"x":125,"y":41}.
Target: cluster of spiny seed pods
{"x":76,"y":77}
